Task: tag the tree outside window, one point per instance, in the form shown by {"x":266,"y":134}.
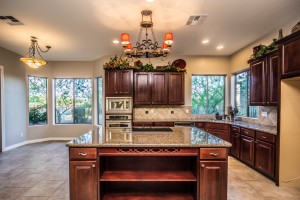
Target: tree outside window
{"x":73,"y":101}
{"x":37,"y":100}
{"x":100,"y":100}
{"x":242,"y":95}
{"x":208,"y":94}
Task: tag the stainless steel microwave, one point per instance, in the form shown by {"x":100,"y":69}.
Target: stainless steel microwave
{"x":116,"y":105}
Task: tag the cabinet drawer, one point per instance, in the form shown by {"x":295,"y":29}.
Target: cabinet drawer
{"x":167,"y":124}
{"x":217,"y":126}
{"x":235,"y":129}
{"x":247,"y":132}
{"x":265,"y":137}
{"x":200,"y":124}
{"x":213,"y":153}
{"x":83,"y":153}
{"x":143,"y":124}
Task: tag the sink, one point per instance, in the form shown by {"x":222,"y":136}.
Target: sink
{"x":154,"y":129}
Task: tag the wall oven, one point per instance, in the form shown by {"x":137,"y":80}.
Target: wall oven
{"x":115,"y":105}
{"x":118,"y":121}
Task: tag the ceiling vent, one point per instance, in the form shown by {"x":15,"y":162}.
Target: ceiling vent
{"x":11,"y":20}
{"x":196,"y":20}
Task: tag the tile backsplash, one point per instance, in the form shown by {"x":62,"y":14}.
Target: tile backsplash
{"x":185,"y":113}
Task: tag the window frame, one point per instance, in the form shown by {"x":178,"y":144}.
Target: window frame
{"x":224,"y":90}
{"x":248,"y":91}
{"x":73,"y":102}
{"x":97,"y":96}
{"x":47,"y":108}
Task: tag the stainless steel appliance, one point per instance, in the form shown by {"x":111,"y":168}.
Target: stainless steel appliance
{"x":118,"y":121}
{"x":118,"y":105}
{"x":188,"y":124}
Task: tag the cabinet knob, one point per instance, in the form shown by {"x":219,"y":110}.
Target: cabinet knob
{"x":202,"y":165}
{"x":82,"y":154}
{"x":93,"y":165}
{"x":214,"y":154}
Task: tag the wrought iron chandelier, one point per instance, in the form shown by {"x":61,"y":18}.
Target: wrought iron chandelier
{"x":30,"y":58}
{"x":146,"y":48}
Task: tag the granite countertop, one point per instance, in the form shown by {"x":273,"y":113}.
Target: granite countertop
{"x":177,"y":137}
{"x":258,"y":127}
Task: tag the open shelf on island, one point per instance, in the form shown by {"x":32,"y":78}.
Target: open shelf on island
{"x":148,"y":176}
{"x":134,"y":196}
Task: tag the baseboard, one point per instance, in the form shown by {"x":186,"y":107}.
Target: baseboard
{"x":36,"y":141}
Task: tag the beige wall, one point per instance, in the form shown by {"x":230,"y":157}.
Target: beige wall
{"x":289,"y":133}
{"x":14,"y":97}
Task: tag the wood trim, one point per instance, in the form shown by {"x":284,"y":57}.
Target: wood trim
{"x":141,"y":151}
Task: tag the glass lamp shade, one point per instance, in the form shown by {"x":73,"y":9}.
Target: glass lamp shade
{"x":125,"y":38}
{"x":128,"y":48}
{"x":33,"y":63}
{"x":169,"y":38}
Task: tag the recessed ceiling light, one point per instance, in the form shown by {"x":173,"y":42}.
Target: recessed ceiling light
{"x":116,"y":41}
{"x":205,"y":41}
{"x":220,"y":47}
{"x":149,"y":0}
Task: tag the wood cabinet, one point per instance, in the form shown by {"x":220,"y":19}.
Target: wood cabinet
{"x":247,"y":150}
{"x":213,"y":174}
{"x":264,"y":77}
{"x":264,"y":159}
{"x":83,"y":174}
{"x":218,"y":129}
{"x":158,"y":88}
{"x":289,"y":55}
{"x":235,"y":141}
{"x":118,"y":83}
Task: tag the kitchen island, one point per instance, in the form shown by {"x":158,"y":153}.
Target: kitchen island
{"x":172,"y":163}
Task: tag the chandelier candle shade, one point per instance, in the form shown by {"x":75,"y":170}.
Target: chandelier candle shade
{"x":146,"y":48}
{"x":30,"y":58}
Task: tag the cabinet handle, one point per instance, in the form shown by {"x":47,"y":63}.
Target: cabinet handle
{"x":246,"y":132}
{"x":82,"y":154}
{"x":93,"y":165}
{"x":214,"y":154}
{"x":202,"y":165}
{"x":264,"y":137}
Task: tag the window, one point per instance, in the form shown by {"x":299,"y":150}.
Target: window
{"x":242,"y":95}
{"x":73,"y":101}
{"x":99,"y":100}
{"x":208,"y":94}
{"x":37,"y":100}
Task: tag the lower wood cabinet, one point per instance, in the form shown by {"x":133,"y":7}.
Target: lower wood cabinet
{"x":236,"y":144}
{"x":213,"y":180}
{"x":247,"y":150}
{"x":265,"y":156}
{"x":218,"y":129}
{"x":83,"y":180}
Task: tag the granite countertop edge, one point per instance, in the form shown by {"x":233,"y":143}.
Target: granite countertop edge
{"x":257,"y":127}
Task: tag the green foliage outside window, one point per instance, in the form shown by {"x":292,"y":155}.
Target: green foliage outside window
{"x":208,"y":94}
{"x":73,"y":101}
{"x":37,"y":100}
{"x":100,"y":100}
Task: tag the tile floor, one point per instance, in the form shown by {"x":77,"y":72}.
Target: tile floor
{"x":40,"y":171}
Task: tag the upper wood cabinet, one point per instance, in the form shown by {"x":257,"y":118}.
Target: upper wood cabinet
{"x":289,"y":55}
{"x":264,"y":76}
{"x":158,"y":88}
{"x":118,"y":82}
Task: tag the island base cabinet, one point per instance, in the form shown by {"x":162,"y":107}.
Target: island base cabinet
{"x":83,"y":180}
{"x":213,"y":180}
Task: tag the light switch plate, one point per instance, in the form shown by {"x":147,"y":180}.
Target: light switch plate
{"x":264,"y":114}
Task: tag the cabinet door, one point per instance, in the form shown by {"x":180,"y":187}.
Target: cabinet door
{"x":223,"y":134}
{"x":159,"y":88}
{"x":213,"y":180}
{"x":142,"y":88}
{"x":273,"y":79}
{"x":83,"y":180}
{"x":258,"y":83}
{"x":264,"y":159}
{"x":125,"y":82}
{"x":235,"y":141}
{"x":290,"y":57}
{"x":176,"y":88}
{"x":247,"y":150}
{"x":111,"y":82}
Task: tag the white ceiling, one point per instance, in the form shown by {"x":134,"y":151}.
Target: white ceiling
{"x":83,"y":30}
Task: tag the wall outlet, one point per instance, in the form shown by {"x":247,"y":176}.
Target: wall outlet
{"x":146,"y":112}
{"x":187,"y":111}
{"x":172,"y":112}
{"x":264,"y":114}
{"x":22,"y":134}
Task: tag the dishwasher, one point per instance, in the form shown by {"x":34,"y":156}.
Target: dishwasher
{"x":187,"y":124}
